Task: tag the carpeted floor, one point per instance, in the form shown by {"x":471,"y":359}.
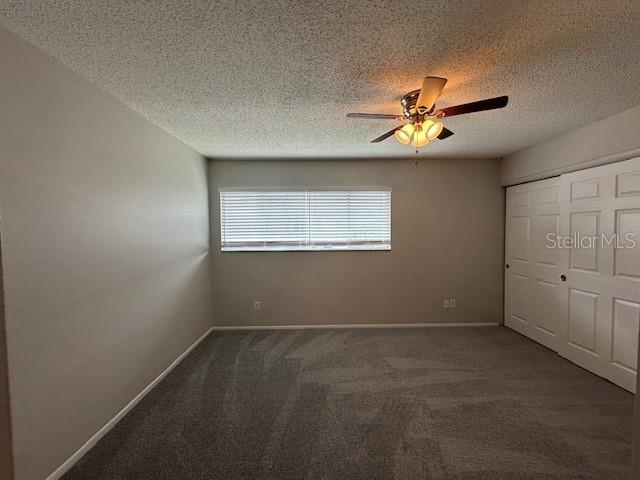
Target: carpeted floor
{"x":436,"y":403}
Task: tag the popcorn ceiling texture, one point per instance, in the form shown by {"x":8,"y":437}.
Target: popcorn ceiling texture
{"x":276,"y":78}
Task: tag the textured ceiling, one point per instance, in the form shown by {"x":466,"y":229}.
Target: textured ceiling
{"x":239,"y":78}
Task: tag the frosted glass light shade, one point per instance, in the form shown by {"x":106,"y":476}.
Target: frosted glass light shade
{"x":404,"y":134}
{"x":434,"y":130}
{"x":427,"y":124}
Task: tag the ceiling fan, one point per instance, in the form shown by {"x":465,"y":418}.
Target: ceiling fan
{"x":418,"y":106}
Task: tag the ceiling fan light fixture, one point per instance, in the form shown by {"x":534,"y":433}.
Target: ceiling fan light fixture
{"x":434,"y":129}
{"x":419,"y":134}
{"x":419,"y":108}
{"x":404,"y":134}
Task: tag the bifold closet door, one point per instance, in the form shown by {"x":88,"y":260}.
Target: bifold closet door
{"x":600,"y":294}
{"x":572,"y":267}
{"x":532,"y":270}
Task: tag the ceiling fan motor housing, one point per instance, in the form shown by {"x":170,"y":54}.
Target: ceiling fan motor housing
{"x":409,"y":108}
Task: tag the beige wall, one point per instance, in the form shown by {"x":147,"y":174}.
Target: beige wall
{"x":105,"y":242}
{"x":447,"y":241}
{"x":609,"y":140}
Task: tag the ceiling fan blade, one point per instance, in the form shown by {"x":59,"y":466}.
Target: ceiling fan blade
{"x":375,"y":115}
{"x":430,"y":92}
{"x":386,"y":135}
{"x":479,"y":106}
{"x":445,"y":133}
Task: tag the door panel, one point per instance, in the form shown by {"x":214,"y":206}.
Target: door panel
{"x":520,"y":237}
{"x":627,"y":260}
{"x":548,"y":195}
{"x":546,"y":296}
{"x":628,"y":184}
{"x":583,"y":227}
{"x":626,"y":320}
{"x":585,"y":189}
{"x":520,"y":199}
{"x":546,"y":224}
{"x":583,"y":319}
{"x":519,"y":298}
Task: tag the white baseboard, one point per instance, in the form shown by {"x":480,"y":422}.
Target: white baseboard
{"x":354,"y":325}
{"x":62,"y":469}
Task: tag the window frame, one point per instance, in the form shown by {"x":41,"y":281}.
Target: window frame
{"x":368,"y":246}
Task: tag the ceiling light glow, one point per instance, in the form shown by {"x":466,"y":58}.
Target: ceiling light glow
{"x":419,"y":134}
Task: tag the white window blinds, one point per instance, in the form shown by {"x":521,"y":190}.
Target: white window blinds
{"x":323,"y":219}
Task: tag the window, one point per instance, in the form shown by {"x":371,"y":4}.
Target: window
{"x":319,"y":219}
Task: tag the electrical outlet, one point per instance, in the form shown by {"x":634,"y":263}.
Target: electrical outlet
{"x":445,"y":303}
{"x":256,"y":305}
{"x":452,"y":303}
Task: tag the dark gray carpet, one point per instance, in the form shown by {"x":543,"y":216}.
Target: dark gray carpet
{"x":456,"y":403}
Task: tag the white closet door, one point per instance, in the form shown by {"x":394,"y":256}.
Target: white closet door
{"x":531,"y":268}
{"x":600,"y":298}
